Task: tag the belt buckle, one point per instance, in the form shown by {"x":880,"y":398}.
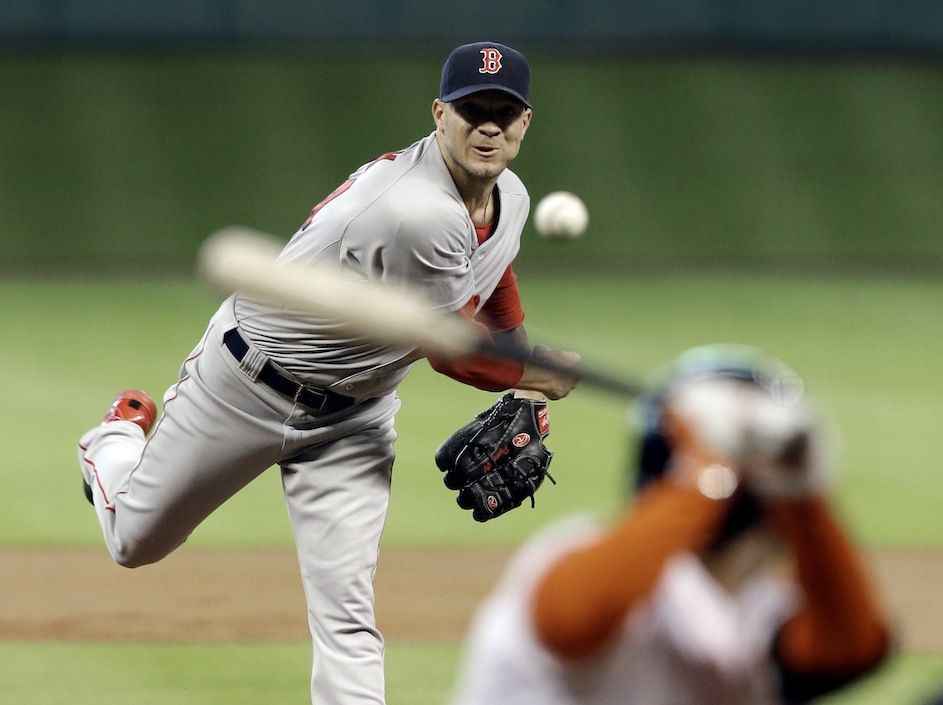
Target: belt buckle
{"x":302,"y":389}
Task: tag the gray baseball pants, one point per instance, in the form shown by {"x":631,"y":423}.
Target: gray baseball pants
{"x":219,"y":430}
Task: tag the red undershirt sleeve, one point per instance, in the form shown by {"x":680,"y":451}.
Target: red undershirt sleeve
{"x":481,"y":371}
{"x":501,"y":312}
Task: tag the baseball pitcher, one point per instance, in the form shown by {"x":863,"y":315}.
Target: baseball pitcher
{"x":272,"y":386}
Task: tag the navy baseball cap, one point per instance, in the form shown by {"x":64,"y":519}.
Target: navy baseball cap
{"x":485,"y":66}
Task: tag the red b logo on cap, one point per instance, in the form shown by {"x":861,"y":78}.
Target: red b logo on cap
{"x":490,"y":61}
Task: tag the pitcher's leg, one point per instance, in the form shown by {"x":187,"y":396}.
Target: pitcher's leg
{"x":214,"y":437}
{"x":107,"y":455}
{"x":337,"y":498}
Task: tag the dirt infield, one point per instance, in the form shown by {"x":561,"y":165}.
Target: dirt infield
{"x":422,"y":595}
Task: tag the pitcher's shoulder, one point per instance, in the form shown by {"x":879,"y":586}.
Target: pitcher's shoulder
{"x":511,"y":184}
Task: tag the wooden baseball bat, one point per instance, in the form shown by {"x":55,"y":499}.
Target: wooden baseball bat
{"x":237,"y":258}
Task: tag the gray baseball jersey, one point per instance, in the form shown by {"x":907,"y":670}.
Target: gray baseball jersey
{"x":399,"y":220}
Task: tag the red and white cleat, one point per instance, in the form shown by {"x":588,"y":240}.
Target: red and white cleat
{"x":131,"y":405}
{"x":135,"y":406}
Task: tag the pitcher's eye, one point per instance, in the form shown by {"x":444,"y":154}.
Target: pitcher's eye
{"x":470,"y":112}
{"x":508,"y":113}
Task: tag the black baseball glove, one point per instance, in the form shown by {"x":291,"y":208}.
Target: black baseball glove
{"x":498,"y":459}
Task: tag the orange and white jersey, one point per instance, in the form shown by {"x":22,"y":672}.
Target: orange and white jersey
{"x":690,"y":642}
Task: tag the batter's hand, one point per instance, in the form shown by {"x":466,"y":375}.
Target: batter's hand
{"x":774,"y":446}
{"x":551,"y":383}
{"x":789,"y":451}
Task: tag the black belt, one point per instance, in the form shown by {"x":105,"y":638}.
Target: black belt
{"x":322,"y":400}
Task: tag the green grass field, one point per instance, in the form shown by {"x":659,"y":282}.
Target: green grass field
{"x":868,"y":350}
{"x":64,"y":673}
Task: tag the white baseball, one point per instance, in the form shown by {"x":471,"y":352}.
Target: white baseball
{"x":561,"y":215}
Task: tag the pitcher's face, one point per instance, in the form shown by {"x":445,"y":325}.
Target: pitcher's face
{"x":480,"y":134}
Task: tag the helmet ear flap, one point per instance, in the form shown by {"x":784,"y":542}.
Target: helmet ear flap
{"x":653,"y":455}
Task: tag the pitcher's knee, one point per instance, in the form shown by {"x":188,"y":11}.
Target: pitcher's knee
{"x":139,"y":552}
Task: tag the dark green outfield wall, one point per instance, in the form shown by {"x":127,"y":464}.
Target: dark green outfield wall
{"x":911,"y":26}
{"x":136,"y":158}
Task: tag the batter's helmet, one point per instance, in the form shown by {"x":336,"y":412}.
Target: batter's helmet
{"x":653,"y":451}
